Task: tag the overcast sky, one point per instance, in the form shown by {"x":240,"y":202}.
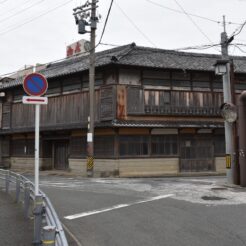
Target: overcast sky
{"x":37,"y":31}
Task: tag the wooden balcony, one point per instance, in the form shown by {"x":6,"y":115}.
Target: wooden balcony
{"x":182,"y":111}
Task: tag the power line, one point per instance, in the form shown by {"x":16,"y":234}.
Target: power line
{"x":136,"y":27}
{"x":181,"y":12}
{"x":10,"y":10}
{"x":113,"y":45}
{"x":106,"y":21}
{"x":198,"y":47}
{"x":239,"y":48}
{"x":35,"y":18}
{"x":200,"y":30}
{"x":194,"y":15}
{"x":20,"y":12}
{"x":238,"y":30}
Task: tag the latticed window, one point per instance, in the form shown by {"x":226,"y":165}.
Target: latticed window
{"x":219,"y":145}
{"x":164,"y":145}
{"x":22,"y":147}
{"x":134,"y":145}
{"x":78,"y":147}
{"x":104,"y":146}
{"x":71,"y":84}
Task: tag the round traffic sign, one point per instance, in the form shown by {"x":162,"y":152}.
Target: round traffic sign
{"x":35,"y":84}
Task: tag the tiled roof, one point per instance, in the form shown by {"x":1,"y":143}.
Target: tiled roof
{"x":136,"y":56}
{"x":167,"y":124}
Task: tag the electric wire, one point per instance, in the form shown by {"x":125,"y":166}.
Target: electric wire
{"x":11,"y":10}
{"x":181,"y":12}
{"x":194,"y":15}
{"x":106,"y":21}
{"x":238,"y":30}
{"x":198,"y":47}
{"x":136,"y":27}
{"x":113,"y":45}
{"x":20,"y":12}
{"x":239,"y":48}
{"x":99,"y":43}
{"x":200,"y":30}
{"x":35,"y":18}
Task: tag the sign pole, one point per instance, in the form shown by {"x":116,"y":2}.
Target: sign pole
{"x":37,"y":119}
{"x":35,"y":85}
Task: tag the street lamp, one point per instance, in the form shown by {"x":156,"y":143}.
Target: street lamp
{"x":220,"y":67}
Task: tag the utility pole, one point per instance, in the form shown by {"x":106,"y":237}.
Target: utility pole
{"x":88,"y":10}
{"x":227,"y":92}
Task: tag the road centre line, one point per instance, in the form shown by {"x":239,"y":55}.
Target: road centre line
{"x":85,"y":214}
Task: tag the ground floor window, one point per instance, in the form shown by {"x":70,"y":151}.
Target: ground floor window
{"x":219,"y":145}
{"x":78,"y":147}
{"x":104,"y":146}
{"x":22,"y":147}
{"x":164,"y":145}
{"x":133,"y":145}
{"x":46,"y":150}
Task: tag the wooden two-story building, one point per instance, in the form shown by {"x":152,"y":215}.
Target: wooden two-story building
{"x":156,"y":112}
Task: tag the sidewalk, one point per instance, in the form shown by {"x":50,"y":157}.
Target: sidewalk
{"x":14,"y":229}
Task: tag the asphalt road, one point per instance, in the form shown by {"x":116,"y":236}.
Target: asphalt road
{"x":163,"y":211}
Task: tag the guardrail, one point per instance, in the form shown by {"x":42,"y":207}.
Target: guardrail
{"x":52,"y":231}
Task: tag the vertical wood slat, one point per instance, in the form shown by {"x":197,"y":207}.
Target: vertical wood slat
{"x":182,"y":98}
{"x":107,"y":103}
{"x":135,"y":100}
{"x":6,"y":118}
{"x":62,"y":110}
{"x":1,"y":113}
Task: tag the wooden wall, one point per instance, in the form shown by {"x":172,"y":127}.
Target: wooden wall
{"x":61,"y":110}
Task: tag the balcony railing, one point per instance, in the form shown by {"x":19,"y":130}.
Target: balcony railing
{"x":177,"y":110}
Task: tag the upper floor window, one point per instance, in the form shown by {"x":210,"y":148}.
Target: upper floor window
{"x":71,"y":84}
{"x":129,"y":76}
{"x":217,"y":83}
{"x":156,"y":78}
{"x":18,"y":93}
{"x":54,"y":88}
{"x":98,"y":80}
{"x":181,"y":81}
{"x":201,"y":81}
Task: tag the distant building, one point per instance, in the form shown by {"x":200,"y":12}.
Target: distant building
{"x":157,"y":113}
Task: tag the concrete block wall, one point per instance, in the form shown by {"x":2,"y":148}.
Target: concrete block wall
{"x":148,"y":167}
{"x":220,"y":165}
{"x":26,"y":164}
{"x":127,"y":167}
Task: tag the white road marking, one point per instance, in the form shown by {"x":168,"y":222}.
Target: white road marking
{"x":80,"y":215}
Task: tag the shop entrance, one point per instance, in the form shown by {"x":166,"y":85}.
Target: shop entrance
{"x":196,"y":153}
{"x":61,"y":154}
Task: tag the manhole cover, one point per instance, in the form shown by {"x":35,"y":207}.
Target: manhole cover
{"x":213,"y":198}
{"x":218,"y":188}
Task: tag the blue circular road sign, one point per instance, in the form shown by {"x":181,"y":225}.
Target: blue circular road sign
{"x":35,"y":84}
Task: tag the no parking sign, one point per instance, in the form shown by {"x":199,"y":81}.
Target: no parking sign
{"x":35,"y":84}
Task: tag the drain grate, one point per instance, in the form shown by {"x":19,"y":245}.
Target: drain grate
{"x":213,"y":198}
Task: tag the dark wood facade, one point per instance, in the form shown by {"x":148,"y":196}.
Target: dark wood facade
{"x":140,"y":112}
